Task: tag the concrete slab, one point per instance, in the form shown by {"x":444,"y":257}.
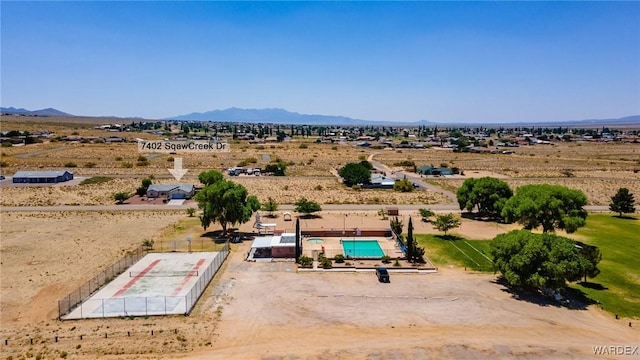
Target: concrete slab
{"x":158,"y":284}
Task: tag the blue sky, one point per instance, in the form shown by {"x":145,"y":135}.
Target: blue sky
{"x":397,"y":61}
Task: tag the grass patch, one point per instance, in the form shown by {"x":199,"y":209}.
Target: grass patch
{"x":456,"y":251}
{"x":96,"y":180}
{"x":618,"y":284}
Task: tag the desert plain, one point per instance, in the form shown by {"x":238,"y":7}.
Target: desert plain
{"x":269,"y":310}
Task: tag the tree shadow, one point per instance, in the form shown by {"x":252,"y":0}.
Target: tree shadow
{"x":232,"y":233}
{"x":626,"y":217}
{"x":592,"y":285}
{"x":480,"y":217}
{"x":309,"y":216}
{"x":574,"y":299}
{"x":449,"y":237}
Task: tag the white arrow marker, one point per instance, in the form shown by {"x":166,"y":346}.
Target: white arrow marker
{"x":177,"y":171}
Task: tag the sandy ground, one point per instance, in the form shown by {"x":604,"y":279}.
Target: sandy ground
{"x":268,"y":311}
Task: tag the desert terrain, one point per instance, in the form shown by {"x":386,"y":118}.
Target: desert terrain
{"x":598,"y":169}
{"x":268,"y":310}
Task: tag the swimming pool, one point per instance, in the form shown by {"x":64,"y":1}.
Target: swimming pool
{"x":362,"y":248}
{"x":315,"y":240}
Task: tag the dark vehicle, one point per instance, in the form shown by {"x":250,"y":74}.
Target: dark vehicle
{"x":382,"y":274}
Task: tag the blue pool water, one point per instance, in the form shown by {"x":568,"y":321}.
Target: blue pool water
{"x":362,"y":248}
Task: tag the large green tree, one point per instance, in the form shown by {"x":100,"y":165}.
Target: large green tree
{"x":623,"y":202}
{"x":537,"y":260}
{"x":550,"y":206}
{"x":307,"y":207}
{"x":227,"y":203}
{"x":355,"y":173}
{"x":210,"y":177}
{"x":487,"y":194}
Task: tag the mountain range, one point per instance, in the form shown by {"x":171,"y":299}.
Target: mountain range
{"x":282,"y":116}
{"x":42,"y":112}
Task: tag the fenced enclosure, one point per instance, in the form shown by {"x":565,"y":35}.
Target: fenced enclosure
{"x":66,"y":304}
{"x":77,"y":303}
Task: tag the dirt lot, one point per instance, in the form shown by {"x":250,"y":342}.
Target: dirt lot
{"x":598,"y":169}
{"x":268,"y":311}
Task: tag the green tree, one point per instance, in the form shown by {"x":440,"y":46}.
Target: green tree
{"x":446,"y":222}
{"x":227,"y":203}
{"x":270,"y":206}
{"x":277,"y":168}
{"x":415,"y":254}
{"x":396,"y":225}
{"x":120,"y":197}
{"x":550,"y":206}
{"x":307,"y":207}
{"x":426,"y":214}
{"x":355,"y":173}
{"x":210,"y":177}
{"x":623,"y":202}
{"x":142,"y":190}
{"x":403,"y":185}
{"x":591,"y":257}
{"x":487,"y":194}
{"x":191,"y":212}
{"x":536,"y":260}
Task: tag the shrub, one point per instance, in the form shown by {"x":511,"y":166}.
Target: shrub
{"x":357,"y":187}
{"x":142,"y":158}
{"x":304,"y":146}
{"x":403,"y":185}
{"x":127,"y":165}
{"x":90,"y":165}
{"x":318,"y":187}
{"x":148,"y":243}
{"x":326,"y":263}
{"x":96,"y":180}
{"x":405,"y":163}
{"x":142,"y":163}
{"x":118,"y":158}
{"x":334,"y":148}
{"x":4,"y":164}
{"x":70,"y":164}
{"x":386,"y":259}
{"x":305,"y":261}
{"x":396,"y":263}
{"x":7,"y":144}
{"x":339,"y":258}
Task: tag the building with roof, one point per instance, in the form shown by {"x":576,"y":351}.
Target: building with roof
{"x":42,"y":177}
{"x":435,"y":171}
{"x":171,"y":191}
{"x":380,"y":181}
{"x":275,"y":246}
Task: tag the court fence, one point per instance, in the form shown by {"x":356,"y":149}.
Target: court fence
{"x":141,"y":306}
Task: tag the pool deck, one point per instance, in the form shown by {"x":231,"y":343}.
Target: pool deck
{"x":333,"y":246}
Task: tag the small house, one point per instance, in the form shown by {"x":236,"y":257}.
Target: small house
{"x":380,"y":181}
{"x":172,"y":191}
{"x":435,"y":171}
{"x":42,"y":177}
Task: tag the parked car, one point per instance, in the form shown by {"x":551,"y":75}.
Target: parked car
{"x":1,"y":177}
{"x":383,"y":274}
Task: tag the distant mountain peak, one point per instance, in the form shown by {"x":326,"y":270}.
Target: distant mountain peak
{"x":41,"y":112}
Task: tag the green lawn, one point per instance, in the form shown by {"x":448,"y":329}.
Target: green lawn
{"x":456,"y":252}
{"x":617,"y":287}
